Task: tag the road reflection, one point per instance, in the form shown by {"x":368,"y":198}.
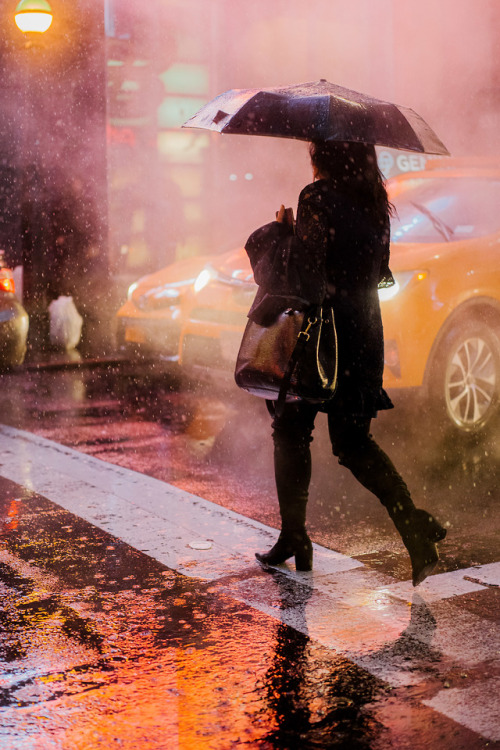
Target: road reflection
{"x":315,"y":696}
{"x":111,"y":646}
{"x":100,"y":641}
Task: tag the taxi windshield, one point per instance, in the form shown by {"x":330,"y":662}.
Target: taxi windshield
{"x":446,"y":210}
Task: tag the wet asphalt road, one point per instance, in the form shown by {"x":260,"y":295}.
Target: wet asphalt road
{"x":104,"y":643}
{"x":214,"y":441}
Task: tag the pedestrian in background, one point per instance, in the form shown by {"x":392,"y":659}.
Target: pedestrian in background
{"x":343,"y":232}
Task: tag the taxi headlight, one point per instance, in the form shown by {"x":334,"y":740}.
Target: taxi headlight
{"x":389,"y":292}
{"x":204,"y":278}
{"x":401,"y":281}
{"x":132,"y":289}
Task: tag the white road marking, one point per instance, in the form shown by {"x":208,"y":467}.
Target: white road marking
{"x":360,"y":613}
{"x":148,"y":514}
{"x":489,"y":575}
{"x":476,"y":707}
{"x":440,"y":586}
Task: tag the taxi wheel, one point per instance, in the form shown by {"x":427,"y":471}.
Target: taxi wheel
{"x":467,"y":385}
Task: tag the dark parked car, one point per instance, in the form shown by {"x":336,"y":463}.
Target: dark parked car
{"x":13,"y":322}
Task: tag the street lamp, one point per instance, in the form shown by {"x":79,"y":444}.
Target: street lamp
{"x":33,"y":16}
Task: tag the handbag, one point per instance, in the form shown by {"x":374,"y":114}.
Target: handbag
{"x":293,"y":358}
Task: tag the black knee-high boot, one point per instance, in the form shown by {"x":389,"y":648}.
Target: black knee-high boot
{"x":419,"y":530}
{"x":292,"y":466}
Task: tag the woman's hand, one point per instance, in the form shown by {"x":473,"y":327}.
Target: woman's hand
{"x":285,"y":216}
{"x":280,"y":215}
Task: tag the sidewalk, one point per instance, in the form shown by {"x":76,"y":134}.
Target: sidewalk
{"x":53,"y":359}
{"x":151,"y":596}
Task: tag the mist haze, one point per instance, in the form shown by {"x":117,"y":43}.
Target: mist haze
{"x":92,"y":135}
{"x":173,"y":193}
{"x":138,"y":481}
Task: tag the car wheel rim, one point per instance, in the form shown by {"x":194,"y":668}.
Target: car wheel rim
{"x":471,"y":383}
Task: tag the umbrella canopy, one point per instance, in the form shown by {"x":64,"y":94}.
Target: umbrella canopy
{"x":318,"y":110}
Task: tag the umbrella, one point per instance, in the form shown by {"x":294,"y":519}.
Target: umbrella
{"x":317,"y":110}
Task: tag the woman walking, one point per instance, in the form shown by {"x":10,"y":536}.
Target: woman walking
{"x":342,"y":245}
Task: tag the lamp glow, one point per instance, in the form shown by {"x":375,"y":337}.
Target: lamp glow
{"x":33,"y":16}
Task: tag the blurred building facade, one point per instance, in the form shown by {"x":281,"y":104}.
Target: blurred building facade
{"x":210,"y":190}
{"x":100,"y":184}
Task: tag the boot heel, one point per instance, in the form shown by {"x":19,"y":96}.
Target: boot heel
{"x":293,"y":544}
{"x":427,"y":525}
{"x":437,"y":532}
{"x":303,"y":562}
{"x":420,"y":541}
{"x":304,"y":558}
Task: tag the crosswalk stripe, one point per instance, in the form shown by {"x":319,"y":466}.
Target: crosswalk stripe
{"x":467,"y":706}
{"x":148,"y":514}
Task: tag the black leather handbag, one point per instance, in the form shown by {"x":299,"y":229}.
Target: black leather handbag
{"x":293,"y":358}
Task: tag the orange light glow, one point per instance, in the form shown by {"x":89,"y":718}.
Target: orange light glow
{"x":13,"y":515}
{"x":7,"y":284}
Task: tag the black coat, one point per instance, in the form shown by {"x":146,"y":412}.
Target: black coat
{"x":338,"y":256}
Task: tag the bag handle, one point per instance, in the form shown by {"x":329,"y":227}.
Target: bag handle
{"x":302,"y":338}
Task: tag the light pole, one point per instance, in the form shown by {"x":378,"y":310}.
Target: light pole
{"x":33,"y":18}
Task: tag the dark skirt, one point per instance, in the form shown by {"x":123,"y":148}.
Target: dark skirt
{"x":358,"y":402}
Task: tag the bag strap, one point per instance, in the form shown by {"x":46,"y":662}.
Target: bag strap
{"x":302,"y":339}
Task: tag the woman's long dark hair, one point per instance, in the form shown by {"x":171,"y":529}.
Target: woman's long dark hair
{"x":353,"y":168}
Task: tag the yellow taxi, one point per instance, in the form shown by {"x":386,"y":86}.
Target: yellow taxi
{"x":150,"y":320}
{"x":441,"y":319}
